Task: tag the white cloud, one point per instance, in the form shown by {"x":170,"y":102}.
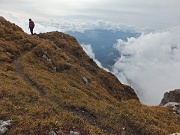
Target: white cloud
{"x":66,"y":24}
{"x":89,"y":50}
{"x":76,"y":25}
{"x":150,"y":64}
{"x":24,"y":24}
{"x":154,"y":14}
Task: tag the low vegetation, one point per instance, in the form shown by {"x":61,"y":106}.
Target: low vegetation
{"x":42,"y":89}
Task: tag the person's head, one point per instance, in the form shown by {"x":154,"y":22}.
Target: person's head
{"x":29,"y":19}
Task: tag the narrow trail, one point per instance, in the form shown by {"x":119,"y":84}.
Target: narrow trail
{"x":19,"y":69}
{"x":79,"y":112}
{"x":20,"y":72}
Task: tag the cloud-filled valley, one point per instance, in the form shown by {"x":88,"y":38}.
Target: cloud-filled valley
{"x":149,"y":62}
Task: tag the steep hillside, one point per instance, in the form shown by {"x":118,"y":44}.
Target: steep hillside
{"x":48,"y":83}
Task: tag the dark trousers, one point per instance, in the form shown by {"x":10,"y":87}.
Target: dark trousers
{"x":31,"y":30}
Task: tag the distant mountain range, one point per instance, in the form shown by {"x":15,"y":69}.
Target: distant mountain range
{"x":102,"y":42}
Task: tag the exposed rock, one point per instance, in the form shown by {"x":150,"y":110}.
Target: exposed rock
{"x":74,"y":133}
{"x":52,"y":133}
{"x":3,"y":126}
{"x":172,"y":96}
{"x":123,"y":132}
{"x":85,"y":80}
{"x":174,"y":105}
{"x":172,"y":99}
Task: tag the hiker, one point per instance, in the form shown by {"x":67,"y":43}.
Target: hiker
{"x":31,"y":26}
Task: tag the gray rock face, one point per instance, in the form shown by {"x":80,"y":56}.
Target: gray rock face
{"x":172,"y":99}
{"x":171,"y":96}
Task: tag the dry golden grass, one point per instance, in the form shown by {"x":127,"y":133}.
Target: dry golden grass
{"x":42,"y":89}
{"x":151,"y":120}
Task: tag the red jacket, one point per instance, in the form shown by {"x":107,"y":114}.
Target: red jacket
{"x":31,"y":24}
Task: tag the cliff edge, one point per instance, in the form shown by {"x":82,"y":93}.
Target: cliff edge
{"x":48,"y":84}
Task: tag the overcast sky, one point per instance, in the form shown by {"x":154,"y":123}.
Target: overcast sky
{"x":157,"y":14}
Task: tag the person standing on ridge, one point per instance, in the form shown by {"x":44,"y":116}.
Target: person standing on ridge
{"x":31,"y":26}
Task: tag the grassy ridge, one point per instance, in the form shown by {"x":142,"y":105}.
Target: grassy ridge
{"x":42,"y":89}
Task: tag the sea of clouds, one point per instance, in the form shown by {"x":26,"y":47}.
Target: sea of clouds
{"x":65,"y":25}
{"x":149,"y":63}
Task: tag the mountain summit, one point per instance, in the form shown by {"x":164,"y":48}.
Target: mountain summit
{"x":49,"y":85}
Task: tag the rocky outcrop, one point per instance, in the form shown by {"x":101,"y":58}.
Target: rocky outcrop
{"x":174,"y":105}
{"x":171,"y":96}
{"x":3,"y":126}
{"x":172,"y":99}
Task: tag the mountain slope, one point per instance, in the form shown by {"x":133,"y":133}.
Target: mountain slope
{"x":48,"y":83}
